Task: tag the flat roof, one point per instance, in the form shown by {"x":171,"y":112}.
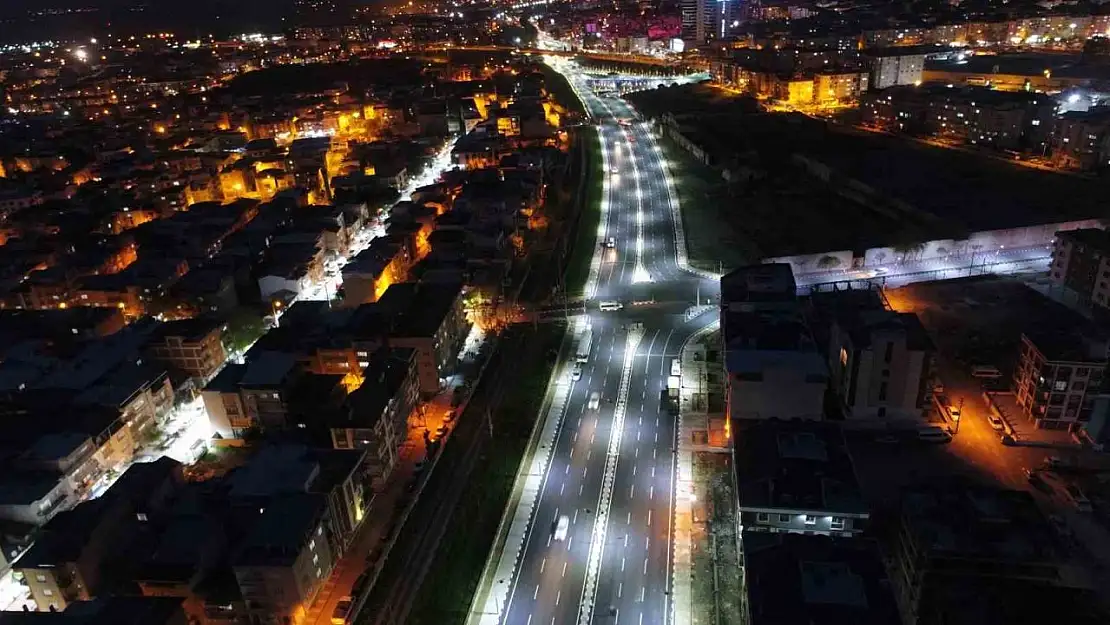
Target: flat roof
{"x":816,"y":580}
{"x":287,"y":522}
{"x":418,"y":309}
{"x":967,"y":521}
{"x":794,"y":466}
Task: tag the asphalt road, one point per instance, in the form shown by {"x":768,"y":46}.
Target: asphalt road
{"x":611,"y":472}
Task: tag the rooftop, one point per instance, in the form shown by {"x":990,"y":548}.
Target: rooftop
{"x":966,"y":521}
{"x":795,"y":466}
{"x":286,"y":524}
{"x":418,"y":310}
{"x":816,"y":580}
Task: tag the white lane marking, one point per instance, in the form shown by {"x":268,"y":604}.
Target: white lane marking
{"x":543,"y":565}
{"x":653,"y":451}
{"x":567,"y":470}
{"x":641,"y":618}
{"x":622,"y":565}
{"x":580,"y":486}
{"x":656,"y":424}
{"x":647,"y":543}
{"x":651,"y":492}
{"x":570,"y":541}
{"x":626,"y":540}
{"x":645,"y":566}
{"x":576,"y":515}
{"x":640,"y":420}
{"x":620,"y":589}
{"x":530,"y":616}
{"x":653,"y":470}
{"x":649,"y":518}
{"x":584,"y":469}
{"x":561,"y":487}
{"x":633,"y":469}
{"x":643,"y":591}
{"x":535,"y":594}
{"x":637,"y":436}
{"x":629,"y":520}
{"x":632,"y":492}
{"x":616,"y":616}
{"x":576,"y":433}
{"x":549,"y":540}
{"x":636,"y":452}
{"x":657,"y":436}
{"x":564,"y":569}
{"x":558,"y":597}
{"x":589,"y":452}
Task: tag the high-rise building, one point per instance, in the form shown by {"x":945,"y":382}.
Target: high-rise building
{"x":705,"y":21}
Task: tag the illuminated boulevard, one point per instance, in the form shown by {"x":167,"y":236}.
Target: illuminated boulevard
{"x":605,"y":463}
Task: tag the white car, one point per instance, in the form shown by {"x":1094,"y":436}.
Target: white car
{"x":609,"y":306}
{"x":611,"y":242}
{"x":996,"y":423}
{"x":576,"y":371}
{"x":561,"y":527}
{"x":595,"y":401}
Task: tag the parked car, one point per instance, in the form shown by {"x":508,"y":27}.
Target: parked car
{"x":996,"y":423}
{"x":1077,"y":498}
{"x":934,"y":435}
{"x":342,"y":611}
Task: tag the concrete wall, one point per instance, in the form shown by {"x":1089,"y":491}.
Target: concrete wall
{"x":980,"y":245}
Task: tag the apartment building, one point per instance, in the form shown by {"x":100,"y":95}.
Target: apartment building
{"x":960,"y":547}
{"x":252,"y":395}
{"x":375,"y":416}
{"x":774,"y":368}
{"x":1059,"y":379}
{"x":67,"y":562}
{"x":896,"y":66}
{"x":880,"y":361}
{"x":795,"y":477}
{"x":1081,"y":140}
{"x":816,"y":580}
{"x":284,"y":559}
{"x":192,"y":347}
{"x":1081,"y":262}
{"x":973,"y":115}
{"x":375,"y":269}
{"x":429,"y":318}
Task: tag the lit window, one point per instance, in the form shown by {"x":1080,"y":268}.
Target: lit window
{"x":811,"y":520}
{"x":762,"y":517}
{"x":837,"y":523}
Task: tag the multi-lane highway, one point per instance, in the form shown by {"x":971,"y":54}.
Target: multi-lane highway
{"x":596,"y":545}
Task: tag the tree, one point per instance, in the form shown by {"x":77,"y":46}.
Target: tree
{"x":828,"y":262}
{"x":908,"y":249}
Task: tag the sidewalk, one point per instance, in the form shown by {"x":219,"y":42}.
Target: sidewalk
{"x":492,"y":594}
{"x":693,"y":434}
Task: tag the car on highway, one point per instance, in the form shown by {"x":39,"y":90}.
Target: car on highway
{"x":611,"y":242}
{"x":561,"y":527}
{"x":576,"y":371}
{"x":342,"y":611}
{"x":609,"y":306}
{"x":614,"y":171}
{"x":595,"y":401}
{"x":996,"y":423}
